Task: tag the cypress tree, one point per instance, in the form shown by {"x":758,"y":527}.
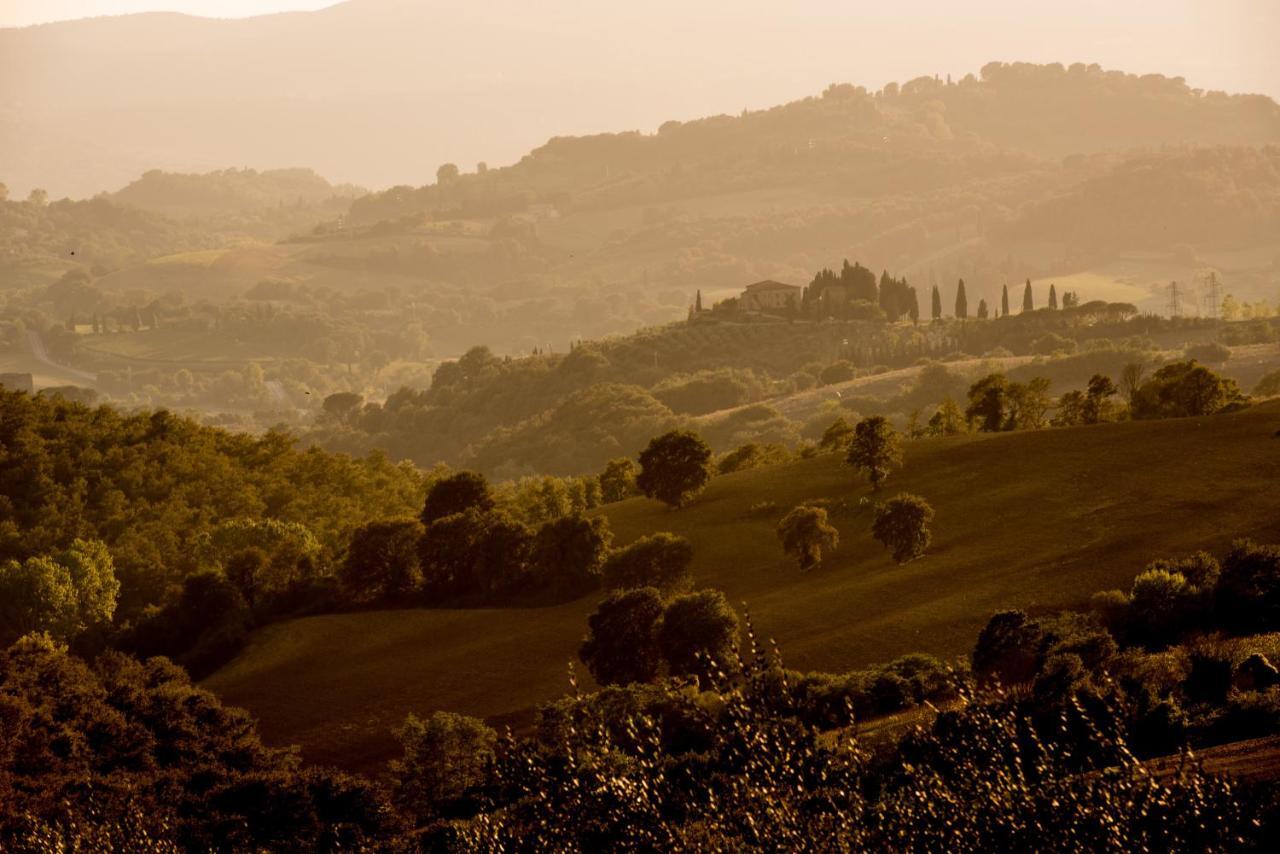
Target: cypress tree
{"x":1027,"y":303}
{"x":937,"y":304}
{"x":697,"y":305}
{"x":962,"y":302}
{"x":913,"y":306}
{"x":982,"y":309}
{"x":1053,"y":297}
{"x":1004,"y":301}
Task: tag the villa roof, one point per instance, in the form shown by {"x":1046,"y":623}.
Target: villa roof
{"x":771,"y":285}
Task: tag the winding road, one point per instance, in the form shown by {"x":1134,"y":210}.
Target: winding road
{"x":42,"y":355}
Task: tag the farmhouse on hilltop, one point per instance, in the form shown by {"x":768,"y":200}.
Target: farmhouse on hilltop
{"x":769,"y":296}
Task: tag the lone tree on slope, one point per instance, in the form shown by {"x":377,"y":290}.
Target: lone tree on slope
{"x":1028,"y":304}
{"x":902,"y":525}
{"x":674,"y":468}
{"x":805,"y":532}
{"x":875,"y":449}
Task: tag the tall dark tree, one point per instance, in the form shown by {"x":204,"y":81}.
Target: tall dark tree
{"x":674,"y":467}
{"x":962,"y":301}
{"x":1053,"y":296}
{"x":982,"y":309}
{"x":937,"y":304}
{"x":1004,"y":301}
{"x":457,"y":493}
{"x":875,"y":449}
{"x":860,"y":281}
{"x":697,"y":304}
{"x":1028,"y":303}
{"x":621,"y":645}
{"x":889,"y":297}
{"x":913,"y":306}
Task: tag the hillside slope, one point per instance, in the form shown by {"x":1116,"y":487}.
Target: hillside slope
{"x":1027,"y":520}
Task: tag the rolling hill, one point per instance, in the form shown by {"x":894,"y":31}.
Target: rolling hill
{"x":1034,"y":520}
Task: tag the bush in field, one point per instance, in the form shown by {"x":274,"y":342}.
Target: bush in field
{"x":674,"y":467}
{"x":660,"y":560}
{"x":1210,"y":352}
{"x":753,"y":455}
{"x":621,"y":645}
{"x":901,"y":524}
{"x":805,"y":532}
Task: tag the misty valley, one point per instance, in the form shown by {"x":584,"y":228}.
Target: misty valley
{"x":887,"y":469}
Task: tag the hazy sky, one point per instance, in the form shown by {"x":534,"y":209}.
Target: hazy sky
{"x":20,"y":13}
{"x":1215,"y":44}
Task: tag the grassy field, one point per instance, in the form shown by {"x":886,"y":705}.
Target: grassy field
{"x":1030,"y":520}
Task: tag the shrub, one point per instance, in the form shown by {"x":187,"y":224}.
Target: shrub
{"x":837,"y":372}
{"x":752,"y":455}
{"x":1211,"y":353}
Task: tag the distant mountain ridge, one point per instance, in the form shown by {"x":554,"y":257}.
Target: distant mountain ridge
{"x":381,"y":92}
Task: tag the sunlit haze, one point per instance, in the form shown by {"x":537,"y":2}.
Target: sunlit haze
{"x":21,"y":13}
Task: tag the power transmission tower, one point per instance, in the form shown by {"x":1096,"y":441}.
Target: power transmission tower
{"x":1213,"y":294}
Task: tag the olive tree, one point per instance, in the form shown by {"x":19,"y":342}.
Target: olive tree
{"x":902,"y":525}
{"x":805,"y":532}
